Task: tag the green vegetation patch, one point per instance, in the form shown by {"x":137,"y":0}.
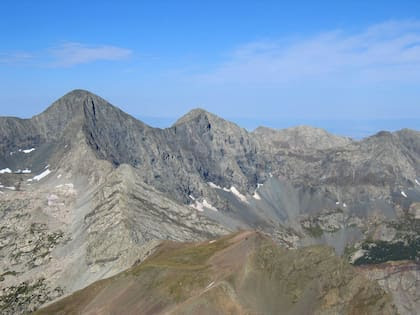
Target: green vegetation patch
{"x":189,"y":256}
{"x":382,"y":251}
{"x":314,"y":230}
{"x":175,"y":271}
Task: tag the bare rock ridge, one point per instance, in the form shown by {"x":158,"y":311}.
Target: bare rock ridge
{"x":86,"y":191}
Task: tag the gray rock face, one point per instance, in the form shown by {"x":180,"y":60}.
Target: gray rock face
{"x":301,"y":138}
{"x":91,"y":189}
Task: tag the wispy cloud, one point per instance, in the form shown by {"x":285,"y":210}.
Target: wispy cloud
{"x":70,"y":54}
{"x":67,"y":54}
{"x":384,"y":52}
{"x":16,"y":57}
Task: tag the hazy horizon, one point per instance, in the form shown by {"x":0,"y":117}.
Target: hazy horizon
{"x":325,"y":64}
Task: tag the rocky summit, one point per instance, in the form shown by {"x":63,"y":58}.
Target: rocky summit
{"x":96,"y":204}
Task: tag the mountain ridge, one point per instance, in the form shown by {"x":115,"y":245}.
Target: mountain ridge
{"x":92,"y":189}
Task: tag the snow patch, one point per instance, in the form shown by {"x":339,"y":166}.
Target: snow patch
{"x":59,"y":176}
{"x":271,"y":175}
{"x":26,"y":151}
{"x":46,"y":166}
{"x":41,"y":176}
{"x":209,"y":206}
{"x":403,"y":194}
{"x":25,"y":171}
{"x":191,"y":197}
{"x":337,"y":202}
{"x":344,"y":205}
{"x":5,"y":170}
{"x":256,"y":196}
{"x":211,"y":242}
{"x":241,"y":197}
{"x":417,"y":182}
{"x":10,"y":188}
{"x":213,"y":185}
{"x":259,"y":185}
{"x":201,"y":205}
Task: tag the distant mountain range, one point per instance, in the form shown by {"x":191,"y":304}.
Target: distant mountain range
{"x":350,"y":127}
{"x":87,"y":191}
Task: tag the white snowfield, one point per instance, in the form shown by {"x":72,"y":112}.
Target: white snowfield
{"x":232,"y":189}
{"x":256,"y":196}
{"x":208,"y":205}
{"x":5,"y":170}
{"x":241,"y":197}
{"x":201,"y":205}
{"x":26,"y":151}
{"x":25,"y":171}
{"x":40,"y":176}
{"x":213,"y":185}
{"x":404,"y":194}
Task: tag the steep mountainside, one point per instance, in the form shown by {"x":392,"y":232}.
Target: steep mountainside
{"x":87,"y":190}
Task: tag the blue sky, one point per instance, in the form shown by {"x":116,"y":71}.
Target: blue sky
{"x":352,"y":68}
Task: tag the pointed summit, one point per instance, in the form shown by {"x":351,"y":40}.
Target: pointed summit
{"x":72,"y":102}
{"x":74,"y":108}
{"x":200,"y":119}
{"x":196,"y":114}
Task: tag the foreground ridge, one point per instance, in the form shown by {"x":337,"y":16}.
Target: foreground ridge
{"x":243,"y":273}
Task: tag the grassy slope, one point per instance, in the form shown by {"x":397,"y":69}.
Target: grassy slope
{"x":244,"y":273}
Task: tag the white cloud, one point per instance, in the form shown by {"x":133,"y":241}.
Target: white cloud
{"x":388,"y":51}
{"x":17,"y":57}
{"x":70,"y":53}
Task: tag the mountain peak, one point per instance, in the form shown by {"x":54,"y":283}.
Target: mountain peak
{"x":302,"y":137}
{"x":70,"y":107}
{"x":196,"y":113}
